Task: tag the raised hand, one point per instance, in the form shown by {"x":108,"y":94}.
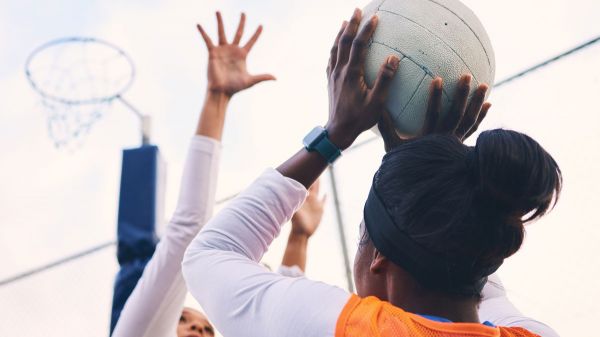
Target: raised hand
{"x":353,"y":107}
{"x":461,"y":121}
{"x":227,"y":72}
{"x":304,"y":224}
{"x":307,"y":219}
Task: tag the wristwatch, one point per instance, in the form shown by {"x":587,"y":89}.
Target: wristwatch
{"x":318,"y":140}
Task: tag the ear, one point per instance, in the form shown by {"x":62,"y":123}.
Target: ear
{"x":378,"y":263}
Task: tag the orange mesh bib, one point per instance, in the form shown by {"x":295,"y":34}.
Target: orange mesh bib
{"x":371,"y":317}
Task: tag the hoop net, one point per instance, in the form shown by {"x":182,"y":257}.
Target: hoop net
{"x":77,"y":80}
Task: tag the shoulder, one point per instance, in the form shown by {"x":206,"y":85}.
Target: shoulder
{"x":516,"y":332}
{"x":360,"y":315}
{"x":372,"y":317}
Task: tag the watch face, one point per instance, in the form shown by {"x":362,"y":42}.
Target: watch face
{"x":314,"y":137}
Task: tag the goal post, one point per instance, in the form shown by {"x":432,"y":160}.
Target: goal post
{"x":140,"y":217}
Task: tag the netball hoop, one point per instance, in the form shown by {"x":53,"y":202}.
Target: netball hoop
{"x":78,"y":78}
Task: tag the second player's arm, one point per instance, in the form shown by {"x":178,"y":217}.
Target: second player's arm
{"x":155,"y":305}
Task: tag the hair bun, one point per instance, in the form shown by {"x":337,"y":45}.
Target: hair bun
{"x":517,"y":181}
{"x":516,"y":173}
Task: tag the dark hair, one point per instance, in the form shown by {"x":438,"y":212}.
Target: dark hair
{"x":469,"y":203}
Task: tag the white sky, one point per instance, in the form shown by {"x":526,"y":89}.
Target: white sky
{"x":55,"y":202}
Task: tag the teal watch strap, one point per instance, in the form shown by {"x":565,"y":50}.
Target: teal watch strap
{"x":318,"y":140}
{"x":328,"y":150}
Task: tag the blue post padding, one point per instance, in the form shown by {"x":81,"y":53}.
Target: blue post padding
{"x":136,"y":231}
{"x":137,"y":221}
{"x":125,"y":282}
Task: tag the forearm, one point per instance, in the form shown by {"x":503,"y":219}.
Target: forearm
{"x":295,"y":251}
{"x":304,"y":167}
{"x":212,"y":117}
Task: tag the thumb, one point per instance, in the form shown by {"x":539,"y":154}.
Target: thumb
{"x":388,"y":131}
{"x":261,"y":78}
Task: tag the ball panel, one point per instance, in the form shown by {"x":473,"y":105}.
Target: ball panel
{"x":405,"y":82}
{"x":472,"y":21}
{"x":404,"y":86}
{"x":410,"y":121}
{"x":371,"y":9}
{"x":428,"y":50}
{"x":451,"y":21}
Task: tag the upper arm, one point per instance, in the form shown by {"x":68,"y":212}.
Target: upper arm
{"x":241,"y":296}
{"x":496,"y":308}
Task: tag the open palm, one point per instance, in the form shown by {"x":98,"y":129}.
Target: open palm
{"x":227,"y":71}
{"x":307,"y":219}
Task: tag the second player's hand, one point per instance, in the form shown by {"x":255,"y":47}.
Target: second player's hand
{"x":304,"y":224}
{"x":307,"y":219}
{"x":227,"y":71}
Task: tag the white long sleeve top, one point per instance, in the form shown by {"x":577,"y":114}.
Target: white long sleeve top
{"x":242,"y":298}
{"x":155,"y":305}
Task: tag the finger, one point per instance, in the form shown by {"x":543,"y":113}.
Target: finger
{"x":358,"y":53}
{"x":261,"y":78}
{"x":388,"y":132}
{"x":323,"y":200}
{"x":222,"y":38}
{"x":484,"y":111}
{"x":348,"y":37}
{"x":206,"y":38}
{"x":253,"y":39}
{"x":384,"y":80}
{"x":434,"y":106}
{"x":314,"y":188}
{"x":240,"y":30}
{"x":472,"y":112}
{"x":457,"y":111}
{"x":334,"y":49}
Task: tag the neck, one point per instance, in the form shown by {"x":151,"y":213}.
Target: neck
{"x":451,"y":309}
{"x":412,"y":297}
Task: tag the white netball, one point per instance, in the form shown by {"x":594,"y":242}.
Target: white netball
{"x":432,"y":38}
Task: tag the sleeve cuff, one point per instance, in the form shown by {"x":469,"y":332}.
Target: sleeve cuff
{"x":287,"y":271}
{"x":289,"y":193}
{"x":289,"y":183}
{"x":205,"y":144}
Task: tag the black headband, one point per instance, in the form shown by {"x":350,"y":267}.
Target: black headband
{"x":430,"y":269}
